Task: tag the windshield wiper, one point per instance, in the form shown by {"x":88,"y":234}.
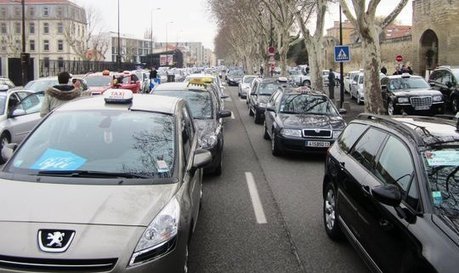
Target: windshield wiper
{"x":93,"y":174}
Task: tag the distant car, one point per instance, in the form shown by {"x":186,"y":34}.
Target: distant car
{"x":299,"y":78}
{"x":301,"y":120}
{"x":244,"y":85}
{"x":348,"y":78}
{"x":391,"y":188}
{"x":216,"y":82}
{"x":129,"y":171}
{"x":19,"y":113}
{"x":411,"y":95}
{"x":234,"y":77}
{"x":7,"y":82}
{"x":262,"y":89}
{"x":99,"y":82}
{"x":41,"y":84}
{"x":126,"y":80}
{"x":206,"y":112}
{"x":446,"y":80}
{"x":358,"y":88}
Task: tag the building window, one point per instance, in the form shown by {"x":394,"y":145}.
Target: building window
{"x":60,"y":62}
{"x":46,"y":62}
{"x":17,"y":28}
{"x":31,"y":28}
{"x":60,"y":28}
{"x":32,"y":11}
{"x":60,"y":45}
{"x":3,"y":28}
{"x":17,"y":11}
{"x":59,"y":12}
{"x":46,"y":45}
{"x":46,"y":28}
{"x":32,"y":45}
{"x":45,"y":12}
{"x":3,"y":12}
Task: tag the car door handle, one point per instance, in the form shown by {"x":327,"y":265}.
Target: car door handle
{"x":366,"y":190}
{"x":341,"y":165}
{"x":385,"y":224}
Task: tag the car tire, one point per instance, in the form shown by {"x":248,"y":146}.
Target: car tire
{"x":265,"y":132}
{"x":306,"y":83}
{"x":250,"y":112}
{"x":4,"y":140}
{"x":218,"y":169}
{"x":455,"y":105}
{"x":391,"y":109}
{"x":257,"y":118}
{"x":330,"y":213}
{"x":275,"y":149}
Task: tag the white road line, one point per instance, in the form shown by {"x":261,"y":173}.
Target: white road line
{"x":228,"y":99}
{"x":256,"y":203}
{"x":232,"y":116}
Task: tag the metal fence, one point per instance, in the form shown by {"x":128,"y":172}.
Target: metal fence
{"x":53,"y":67}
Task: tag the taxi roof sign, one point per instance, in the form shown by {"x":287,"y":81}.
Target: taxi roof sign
{"x":204,"y":81}
{"x":120,"y":96}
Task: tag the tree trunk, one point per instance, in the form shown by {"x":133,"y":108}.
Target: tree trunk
{"x":315,"y":60}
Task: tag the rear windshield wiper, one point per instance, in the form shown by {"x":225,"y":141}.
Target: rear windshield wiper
{"x":93,"y":174}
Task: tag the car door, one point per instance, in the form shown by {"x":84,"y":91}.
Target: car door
{"x":270,"y":115}
{"x":354,"y":85}
{"x":23,"y":117}
{"x":252,"y":97}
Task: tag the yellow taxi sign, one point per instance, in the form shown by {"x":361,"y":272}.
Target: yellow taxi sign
{"x":200,"y":81}
{"x":106,"y":72}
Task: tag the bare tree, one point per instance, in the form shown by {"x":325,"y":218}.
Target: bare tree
{"x":364,"y":20}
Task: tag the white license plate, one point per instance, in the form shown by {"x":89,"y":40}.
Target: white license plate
{"x":317,"y":144}
{"x":424,"y":107}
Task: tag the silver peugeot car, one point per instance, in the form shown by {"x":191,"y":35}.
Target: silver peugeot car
{"x":103,"y":184}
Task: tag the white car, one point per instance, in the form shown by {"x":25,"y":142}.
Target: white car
{"x":245,"y":84}
{"x":358,"y":88}
{"x":347,"y":81}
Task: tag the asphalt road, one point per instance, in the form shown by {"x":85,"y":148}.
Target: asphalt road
{"x":283,"y":232}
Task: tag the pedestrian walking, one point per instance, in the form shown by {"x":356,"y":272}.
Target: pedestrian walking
{"x":261,"y":71}
{"x":331,"y":84}
{"x":409,"y":70}
{"x":397,"y":71}
{"x":60,"y":94}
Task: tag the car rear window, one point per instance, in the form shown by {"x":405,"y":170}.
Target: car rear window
{"x":350,"y":135}
{"x":125,"y":142}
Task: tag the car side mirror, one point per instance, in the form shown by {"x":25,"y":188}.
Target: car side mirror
{"x":449,"y":84}
{"x":388,"y":195}
{"x":224,"y":114}
{"x":201,"y":158}
{"x":8,"y":150}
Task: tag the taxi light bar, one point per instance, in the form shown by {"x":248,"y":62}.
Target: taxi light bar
{"x":118,"y":96}
{"x":106,"y":72}
{"x":200,"y":81}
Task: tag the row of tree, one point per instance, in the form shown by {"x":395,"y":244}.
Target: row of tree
{"x":248,"y":27}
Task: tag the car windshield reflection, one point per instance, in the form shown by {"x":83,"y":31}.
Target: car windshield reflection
{"x":128,"y":144}
{"x":200,"y":102}
{"x":407,"y":83}
{"x":306,"y":104}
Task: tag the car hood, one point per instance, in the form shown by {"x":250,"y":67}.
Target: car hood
{"x":206,"y":126}
{"x":417,"y":92}
{"x":263,"y":98}
{"x":128,"y":205}
{"x":312,"y":121}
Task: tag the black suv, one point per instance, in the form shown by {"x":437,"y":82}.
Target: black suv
{"x":391,"y":185}
{"x":446,"y":80}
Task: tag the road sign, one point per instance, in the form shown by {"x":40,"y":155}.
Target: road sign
{"x":271,"y":51}
{"x":271,"y":60}
{"x":399,"y":58}
{"x":342,"y":54}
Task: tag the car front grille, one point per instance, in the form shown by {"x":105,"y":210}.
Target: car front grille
{"x":317,"y":133}
{"x":421,"y":101}
{"x":56,"y":265}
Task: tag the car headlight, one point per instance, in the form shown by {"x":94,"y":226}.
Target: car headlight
{"x":162,"y":230}
{"x":437,"y":98}
{"x":336,"y":133}
{"x":403,"y":100}
{"x":291,"y":132}
{"x":208,"y":141}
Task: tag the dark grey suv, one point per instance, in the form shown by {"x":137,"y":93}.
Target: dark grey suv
{"x":391,"y":186}
{"x":446,"y":80}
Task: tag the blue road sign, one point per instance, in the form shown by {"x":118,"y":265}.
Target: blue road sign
{"x":342,"y":54}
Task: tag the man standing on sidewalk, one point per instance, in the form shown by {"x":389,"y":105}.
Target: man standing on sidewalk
{"x":331,"y":84}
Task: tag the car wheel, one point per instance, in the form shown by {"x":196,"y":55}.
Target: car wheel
{"x":250,"y":112}
{"x":390,"y":109}
{"x":275,"y":149}
{"x":306,"y":83}
{"x":257,"y":118}
{"x":265,"y":134}
{"x":330,"y":213}
{"x":455,"y":105}
{"x":4,"y":140}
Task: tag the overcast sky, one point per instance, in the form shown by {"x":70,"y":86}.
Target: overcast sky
{"x":184,"y":20}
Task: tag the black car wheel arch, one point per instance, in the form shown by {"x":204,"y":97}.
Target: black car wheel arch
{"x":275,"y":149}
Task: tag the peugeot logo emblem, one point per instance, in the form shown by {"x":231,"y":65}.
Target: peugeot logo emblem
{"x":317,"y":130}
{"x":55,"y":241}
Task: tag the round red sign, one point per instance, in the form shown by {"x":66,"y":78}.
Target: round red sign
{"x":271,"y":50}
{"x":399,"y":58}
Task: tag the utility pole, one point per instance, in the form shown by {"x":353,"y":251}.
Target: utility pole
{"x":118,"y":56}
{"x":25,"y":57}
{"x":341,"y":73}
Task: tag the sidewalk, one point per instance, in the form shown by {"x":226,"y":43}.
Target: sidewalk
{"x":351,"y":106}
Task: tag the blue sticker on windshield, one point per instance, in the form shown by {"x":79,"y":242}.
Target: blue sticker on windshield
{"x":442,"y":158}
{"x":58,"y":160}
{"x":437,"y":198}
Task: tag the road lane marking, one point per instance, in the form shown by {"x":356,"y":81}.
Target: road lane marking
{"x":228,"y":99}
{"x":256,"y":203}
{"x":232,"y":115}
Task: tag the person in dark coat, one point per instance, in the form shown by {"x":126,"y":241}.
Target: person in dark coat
{"x":384,"y":70}
{"x":59,"y":94}
{"x":331,"y":84}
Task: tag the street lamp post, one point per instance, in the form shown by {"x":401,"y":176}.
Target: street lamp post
{"x":24,"y":56}
{"x":341,"y":74}
{"x":171,"y":22}
{"x":151,"y":30}
{"x":118,"y":55}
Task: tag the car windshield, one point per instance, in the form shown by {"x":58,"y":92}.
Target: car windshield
{"x":40,"y":85}
{"x":267,"y":89}
{"x":456,"y":74}
{"x":200,"y":102}
{"x":407,"y":83}
{"x":306,"y":104}
{"x":128,"y":143}
{"x":95,"y":81}
{"x":442,"y":166}
{"x":249,"y":79}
